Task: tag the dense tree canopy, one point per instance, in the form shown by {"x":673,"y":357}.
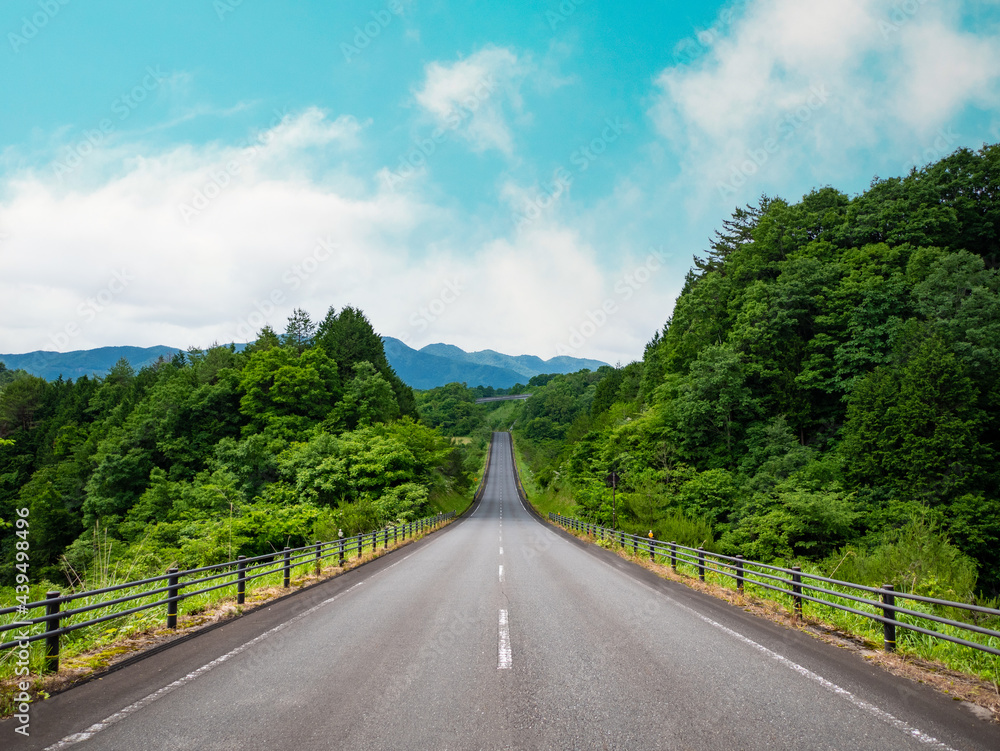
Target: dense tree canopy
{"x":218,"y":452}
{"x":827,"y":377}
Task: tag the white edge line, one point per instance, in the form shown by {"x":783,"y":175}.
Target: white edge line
{"x":97,"y":727}
{"x":871,"y":709}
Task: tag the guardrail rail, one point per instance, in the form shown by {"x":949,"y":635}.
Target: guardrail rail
{"x":175,"y":585}
{"x":802,"y":586}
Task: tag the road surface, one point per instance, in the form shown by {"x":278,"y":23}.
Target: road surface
{"x":501,"y":632}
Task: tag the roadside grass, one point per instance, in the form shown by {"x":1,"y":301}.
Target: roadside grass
{"x":451,"y":501}
{"x":910,"y":644}
{"x":543,"y":499}
{"x":92,"y":648}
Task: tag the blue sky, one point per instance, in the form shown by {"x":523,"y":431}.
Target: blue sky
{"x":527,"y":177}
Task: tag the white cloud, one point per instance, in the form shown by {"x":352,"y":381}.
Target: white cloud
{"x":477,"y":95}
{"x":793,"y":91}
{"x":311,"y":128}
{"x":948,"y":69}
{"x":111,"y":259}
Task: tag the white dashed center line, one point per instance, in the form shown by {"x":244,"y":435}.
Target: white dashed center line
{"x":504,"y":659}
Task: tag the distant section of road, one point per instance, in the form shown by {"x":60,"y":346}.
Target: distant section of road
{"x":502,"y":398}
{"x":501,"y":633}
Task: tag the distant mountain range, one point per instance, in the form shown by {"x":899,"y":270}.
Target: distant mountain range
{"x":438,"y":364}
{"x":428,"y":367}
{"x":84,"y":362}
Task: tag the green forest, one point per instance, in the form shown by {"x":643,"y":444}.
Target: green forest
{"x":825,"y":390}
{"x":219,"y":453}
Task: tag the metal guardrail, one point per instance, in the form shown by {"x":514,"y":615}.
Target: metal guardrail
{"x":796,"y":583}
{"x":229,"y":574}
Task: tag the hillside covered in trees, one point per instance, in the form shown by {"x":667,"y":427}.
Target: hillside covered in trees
{"x":218,"y":453}
{"x":826,"y":389}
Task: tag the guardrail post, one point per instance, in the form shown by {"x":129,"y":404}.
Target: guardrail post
{"x":172,"y":598}
{"x":797,"y":590}
{"x":651,"y":549}
{"x":739,"y":574}
{"x":241,"y":579}
{"x":374,"y":540}
{"x":701,"y":563}
{"x":673,"y":556}
{"x":395,"y":533}
{"x":319,"y":555}
{"x":52,"y":641}
{"x":288,"y":569}
{"x":361,"y":543}
{"x":340,"y":551}
{"x":621,"y":539}
{"x":889,"y":629}
{"x":635,"y":545}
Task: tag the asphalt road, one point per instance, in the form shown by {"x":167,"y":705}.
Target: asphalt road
{"x":501,"y":633}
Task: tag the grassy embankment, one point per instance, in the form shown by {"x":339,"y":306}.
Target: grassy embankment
{"x":910,"y":644}
{"x":543,"y":500}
